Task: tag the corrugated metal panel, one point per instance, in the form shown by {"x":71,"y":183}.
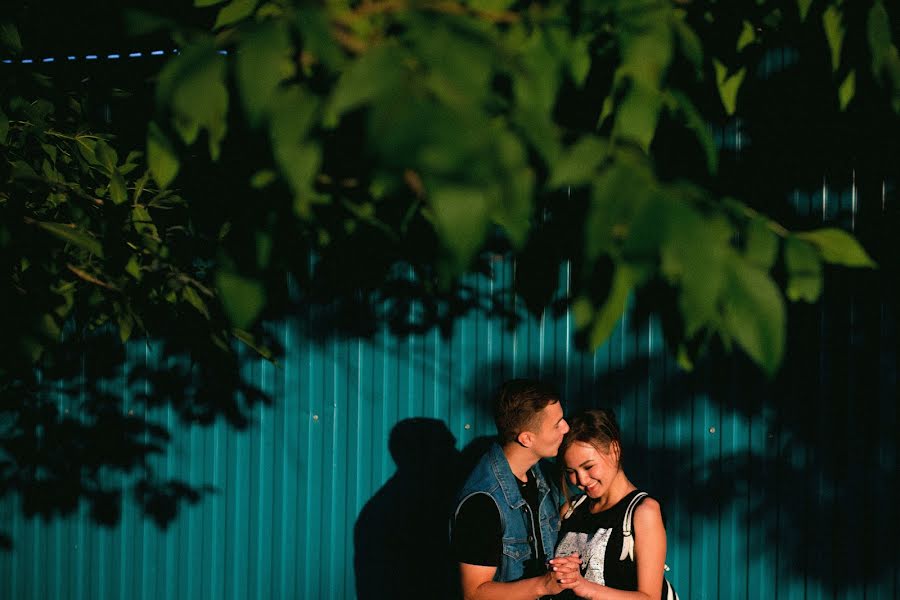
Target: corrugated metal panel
{"x":291,"y":487}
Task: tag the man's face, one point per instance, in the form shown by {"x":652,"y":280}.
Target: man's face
{"x":549,"y":434}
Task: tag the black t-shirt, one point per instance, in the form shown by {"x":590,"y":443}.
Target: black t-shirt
{"x":477,"y":535}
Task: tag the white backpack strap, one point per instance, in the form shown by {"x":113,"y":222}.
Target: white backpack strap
{"x":572,"y":508}
{"x":670,"y":591}
{"x":627,"y":537}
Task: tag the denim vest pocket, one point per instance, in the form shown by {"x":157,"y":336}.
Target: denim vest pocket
{"x":516,"y":549}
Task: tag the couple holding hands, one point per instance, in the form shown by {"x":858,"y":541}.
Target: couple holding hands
{"x":516,"y":536}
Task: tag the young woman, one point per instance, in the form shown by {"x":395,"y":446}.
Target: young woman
{"x":612,"y":542}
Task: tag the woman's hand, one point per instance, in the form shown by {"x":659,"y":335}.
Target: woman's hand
{"x":567,"y":570}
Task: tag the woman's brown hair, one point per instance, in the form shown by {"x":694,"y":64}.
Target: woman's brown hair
{"x":596,"y":427}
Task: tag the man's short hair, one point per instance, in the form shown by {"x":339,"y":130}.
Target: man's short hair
{"x":517,"y":405}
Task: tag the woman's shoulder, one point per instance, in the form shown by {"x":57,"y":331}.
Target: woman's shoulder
{"x":573,"y":505}
{"x":648,"y":512}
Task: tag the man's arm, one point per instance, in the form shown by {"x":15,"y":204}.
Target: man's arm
{"x":478,"y":584}
{"x":477,"y":546}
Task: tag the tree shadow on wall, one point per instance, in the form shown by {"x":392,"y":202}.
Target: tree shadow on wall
{"x":401,"y":537}
{"x":89,"y":426}
{"x":802,"y":465}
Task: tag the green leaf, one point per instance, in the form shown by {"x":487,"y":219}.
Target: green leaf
{"x":9,"y":38}
{"x":161,"y":158}
{"x":22,"y":170}
{"x":761,"y":248}
{"x":190,"y":295}
{"x":619,"y":194}
{"x":878,"y":30}
{"x":203,"y":3}
{"x":133,"y":268}
{"x":582,"y":312}
{"x":193,"y":86}
{"x":263,"y":249}
{"x":262,"y":178}
{"x":580,"y":59}
{"x":747,"y":37}
{"x":298,"y":159}
{"x":248,"y":339}
{"x":513,"y":211}
{"x":803,"y":8}
{"x":460,"y":216}
{"x":51,"y":151}
{"x":49,"y":172}
{"x":86,"y":146}
{"x":847,"y":90}
{"x":638,"y":114}
{"x":804,"y":269}
{"x":728,"y":85}
{"x":535,"y":86}
{"x":491,"y":5}
{"x":117,"y":191}
{"x":243,"y":298}
{"x":838,"y":247}
{"x":688,"y":41}
{"x":72,"y":235}
{"x":458,"y":59}
{"x":613,"y":308}
{"x":606,"y":110}
{"x":143,"y":222}
{"x":754,"y":314}
{"x":683,"y":358}
{"x":578,"y":164}
{"x":263,"y":62}
{"x":234,"y":11}
{"x":646,"y":56}
{"x":106,"y":156}
{"x":692,"y":257}
{"x":540,"y":131}
{"x":4,"y":127}
{"x":293,"y":114}
{"x":126,"y":325}
{"x":375,"y":73}
{"x":695,"y":122}
{"x":315,"y":30}
{"x":832,"y":21}
{"x":140,"y":184}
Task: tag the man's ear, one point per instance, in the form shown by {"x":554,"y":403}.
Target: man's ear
{"x":525,"y":439}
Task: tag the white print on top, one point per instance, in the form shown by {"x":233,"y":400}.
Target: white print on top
{"x":591,"y":548}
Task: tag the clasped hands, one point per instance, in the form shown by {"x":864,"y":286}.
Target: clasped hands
{"x":566,"y":571}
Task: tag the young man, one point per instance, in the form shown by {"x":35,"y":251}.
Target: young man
{"x":507,"y":514}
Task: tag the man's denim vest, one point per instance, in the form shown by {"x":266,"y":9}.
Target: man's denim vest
{"x":492,"y":476}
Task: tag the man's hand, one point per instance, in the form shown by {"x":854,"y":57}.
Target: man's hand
{"x":566,"y":571}
{"x":478,"y":584}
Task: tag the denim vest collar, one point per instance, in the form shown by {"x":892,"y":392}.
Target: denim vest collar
{"x":508,"y":482}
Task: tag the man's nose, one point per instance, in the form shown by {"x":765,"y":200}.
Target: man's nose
{"x":565,"y":426}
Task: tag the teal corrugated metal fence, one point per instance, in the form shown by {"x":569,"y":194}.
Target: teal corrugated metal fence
{"x":744,"y":468}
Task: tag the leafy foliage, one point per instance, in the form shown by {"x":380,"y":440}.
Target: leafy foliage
{"x":447,"y":122}
{"x":357,"y":159}
{"x":95,"y":254}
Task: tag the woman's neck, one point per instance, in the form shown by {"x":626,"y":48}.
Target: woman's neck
{"x":618,"y":489}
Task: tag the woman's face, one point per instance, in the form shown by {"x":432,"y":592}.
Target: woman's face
{"x":590,"y":469}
